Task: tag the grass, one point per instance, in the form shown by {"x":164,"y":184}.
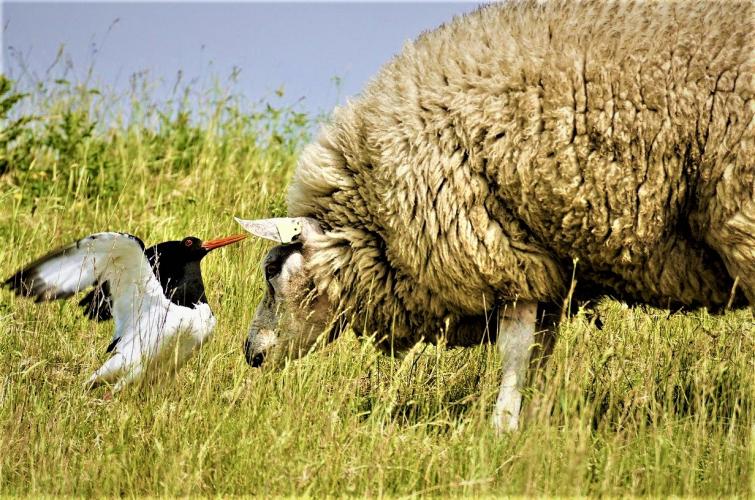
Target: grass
{"x":652,"y":403}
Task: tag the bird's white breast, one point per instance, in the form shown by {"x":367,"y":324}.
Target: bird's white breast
{"x":165,"y":332}
{"x":186,"y":328}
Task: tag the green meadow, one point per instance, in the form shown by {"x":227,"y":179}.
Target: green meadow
{"x":653,"y":402}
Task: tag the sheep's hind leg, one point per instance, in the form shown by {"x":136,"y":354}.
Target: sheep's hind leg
{"x":516,"y":336}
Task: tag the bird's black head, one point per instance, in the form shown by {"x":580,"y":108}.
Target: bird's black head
{"x":191,"y":248}
{"x":176,"y":264}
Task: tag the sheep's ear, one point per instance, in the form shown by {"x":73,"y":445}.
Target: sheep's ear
{"x":282,"y":230}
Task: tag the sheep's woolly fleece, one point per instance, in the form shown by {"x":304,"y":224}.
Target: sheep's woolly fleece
{"x":494,"y":151}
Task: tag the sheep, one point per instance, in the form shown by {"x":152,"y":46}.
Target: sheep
{"x":508,"y":151}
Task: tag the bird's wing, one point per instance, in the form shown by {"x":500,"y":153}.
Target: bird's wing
{"x":84,"y":263}
{"x":98,"y":303}
{"x":115,"y":258}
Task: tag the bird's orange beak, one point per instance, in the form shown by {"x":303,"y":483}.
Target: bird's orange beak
{"x":221,"y":242}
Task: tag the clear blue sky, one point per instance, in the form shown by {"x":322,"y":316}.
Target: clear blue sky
{"x":300,"y":46}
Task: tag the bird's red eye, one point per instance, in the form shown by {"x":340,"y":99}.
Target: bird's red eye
{"x":188,"y":243}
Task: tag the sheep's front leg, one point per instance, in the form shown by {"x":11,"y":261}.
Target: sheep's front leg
{"x":516,"y":336}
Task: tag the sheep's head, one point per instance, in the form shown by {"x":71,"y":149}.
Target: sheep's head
{"x":292,"y":315}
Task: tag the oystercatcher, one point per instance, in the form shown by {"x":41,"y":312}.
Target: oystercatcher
{"x":156,"y":296}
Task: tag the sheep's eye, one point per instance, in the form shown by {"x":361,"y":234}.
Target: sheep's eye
{"x":272,"y":270}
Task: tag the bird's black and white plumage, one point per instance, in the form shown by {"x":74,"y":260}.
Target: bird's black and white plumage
{"x":180,"y":279}
{"x":156,"y":296}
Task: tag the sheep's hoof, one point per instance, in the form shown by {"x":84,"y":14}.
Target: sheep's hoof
{"x":505,"y":423}
{"x":507,"y":406}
